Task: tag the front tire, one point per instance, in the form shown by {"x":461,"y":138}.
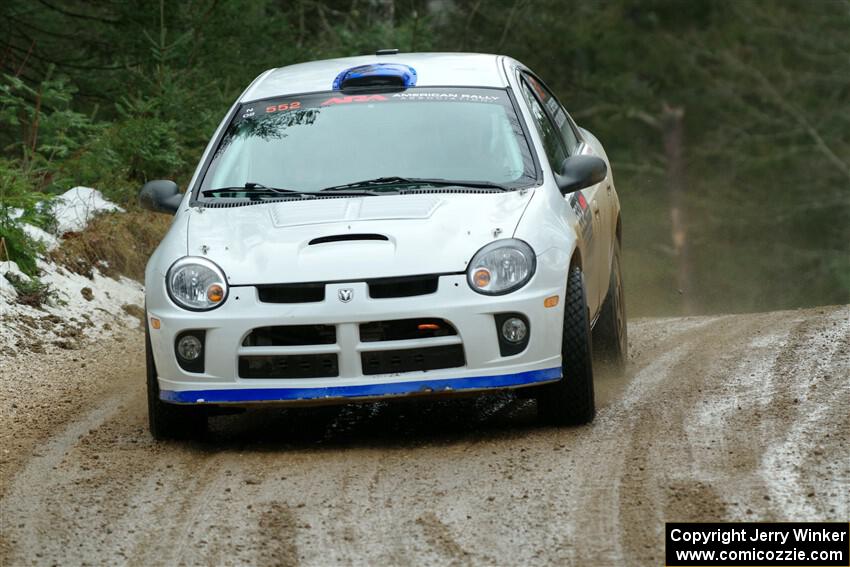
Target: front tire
{"x":570,"y":401}
{"x":610,"y":337}
{"x":169,"y":421}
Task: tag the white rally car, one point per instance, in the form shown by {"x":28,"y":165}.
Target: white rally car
{"x":386,"y":226}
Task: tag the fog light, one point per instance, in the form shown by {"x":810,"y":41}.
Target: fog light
{"x":514,"y":330}
{"x":189,"y":347}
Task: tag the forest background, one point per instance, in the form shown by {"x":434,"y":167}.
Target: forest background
{"x":727,"y":122}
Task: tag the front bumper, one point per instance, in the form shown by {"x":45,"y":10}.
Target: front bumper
{"x":332,"y":394}
{"x":471,"y":314}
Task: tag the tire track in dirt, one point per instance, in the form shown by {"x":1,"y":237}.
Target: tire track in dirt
{"x":41,"y":392}
{"x":688,"y":434}
{"x":619,"y":431}
{"x":805,"y":414}
{"x":662,"y":478}
{"x":831,"y":452}
{"x":30,"y":494}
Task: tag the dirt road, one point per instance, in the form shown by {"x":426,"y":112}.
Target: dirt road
{"x":739,"y":417}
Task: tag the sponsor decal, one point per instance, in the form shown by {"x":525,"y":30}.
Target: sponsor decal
{"x":354,"y":98}
{"x":585,"y":219}
{"x":308,"y":102}
{"x":451,"y":97}
{"x":560,"y":118}
{"x":538,"y":88}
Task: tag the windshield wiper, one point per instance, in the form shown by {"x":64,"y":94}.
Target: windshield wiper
{"x":377,"y":182}
{"x":254,"y":189}
{"x":258,"y":190}
{"x":464,"y":183}
{"x":388,"y":181}
{"x":366,"y":188}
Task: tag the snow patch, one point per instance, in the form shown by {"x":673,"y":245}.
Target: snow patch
{"x":79,"y":307}
{"x":48,"y":240}
{"x":76,"y":207}
{"x":11,"y":268}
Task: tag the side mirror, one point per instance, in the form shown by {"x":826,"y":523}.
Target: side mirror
{"x":160,"y":196}
{"x":578,"y":172}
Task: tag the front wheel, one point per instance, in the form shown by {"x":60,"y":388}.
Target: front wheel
{"x":169,"y":421}
{"x":570,"y":400}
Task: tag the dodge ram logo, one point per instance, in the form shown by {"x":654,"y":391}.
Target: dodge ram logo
{"x":345,"y":294}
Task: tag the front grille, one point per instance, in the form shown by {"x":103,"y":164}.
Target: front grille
{"x":291,"y":293}
{"x":381,"y":288}
{"x":289,"y":366}
{"x":405,"y":329}
{"x":408,"y":286}
{"x":412,"y":360}
{"x":291,"y":335}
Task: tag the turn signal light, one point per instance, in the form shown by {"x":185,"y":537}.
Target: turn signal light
{"x":215,"y":293}
{"x":481,"y":278}
{"x":155,"y":323}
{"x":428,"y":327}
{"x":551,"y":301}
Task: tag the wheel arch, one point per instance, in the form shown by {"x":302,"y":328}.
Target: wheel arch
{"x":575,"y":260}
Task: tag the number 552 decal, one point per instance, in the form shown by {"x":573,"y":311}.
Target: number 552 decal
{"x":283,"y":107}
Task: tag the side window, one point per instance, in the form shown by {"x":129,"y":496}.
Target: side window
{"x":557,"y":112}
{"x":552,"y":143}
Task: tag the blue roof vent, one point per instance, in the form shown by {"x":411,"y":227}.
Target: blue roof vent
{"x":393,"y":75}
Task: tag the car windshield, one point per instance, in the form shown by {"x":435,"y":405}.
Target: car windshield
{"x":307,"y":143}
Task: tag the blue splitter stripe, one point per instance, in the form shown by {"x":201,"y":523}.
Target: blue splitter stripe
{"x":361,"y":391}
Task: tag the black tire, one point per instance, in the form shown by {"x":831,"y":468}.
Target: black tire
{"x":570,"y":401}
{"x":169,"y":421}
{"x":610,"y":337}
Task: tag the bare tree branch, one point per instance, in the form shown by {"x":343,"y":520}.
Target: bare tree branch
{"x":783,"y":103}
{"x":509,"y":22}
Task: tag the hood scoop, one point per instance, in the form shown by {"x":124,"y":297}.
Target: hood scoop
{"x":346,"y":238}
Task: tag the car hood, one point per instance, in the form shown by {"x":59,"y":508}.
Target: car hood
{"x":352,"y":238}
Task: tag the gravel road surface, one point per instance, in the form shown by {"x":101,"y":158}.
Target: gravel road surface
{"x":735,"y":417}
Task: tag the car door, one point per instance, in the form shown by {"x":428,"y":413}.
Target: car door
{"x":560,"y":140}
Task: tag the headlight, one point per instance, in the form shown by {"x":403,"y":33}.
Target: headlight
{"x":196,"y":284}
{"x":501,"y":267}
